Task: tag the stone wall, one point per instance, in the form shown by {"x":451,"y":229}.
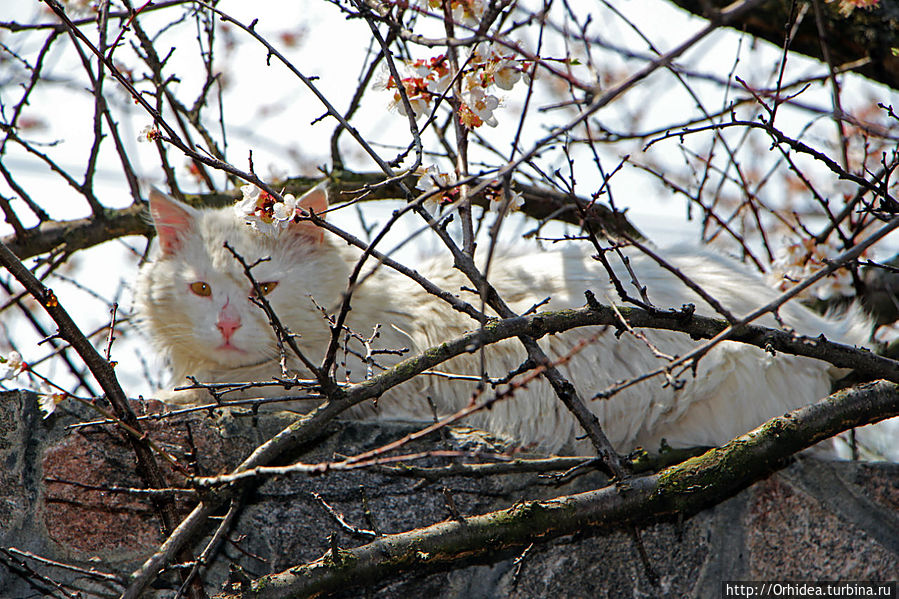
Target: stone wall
{"x":813,"y":520}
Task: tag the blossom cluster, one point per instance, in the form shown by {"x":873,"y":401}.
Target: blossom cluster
{"x":800,"y":259}
{"x":848,"y":6}
{"x":442,"y":187}
{"x":264,"y":212}
{"x":12,"y":365}
{"x":467,"y":12}
{"x":487,"y":67}
{"x":149,"y":134}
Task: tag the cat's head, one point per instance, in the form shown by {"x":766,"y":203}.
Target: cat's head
{"x":196,"y":301}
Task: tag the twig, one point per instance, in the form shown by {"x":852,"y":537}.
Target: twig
{"x":100,"y":368}
{"x":91,"y":573}
{"x":341,"y":521}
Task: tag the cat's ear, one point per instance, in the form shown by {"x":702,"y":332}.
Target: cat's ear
{"x":316,"y":200}
{"x":172,"y":220}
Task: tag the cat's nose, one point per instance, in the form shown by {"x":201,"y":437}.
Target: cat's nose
{"x":228,"y":321}
{"x":227,"y":326}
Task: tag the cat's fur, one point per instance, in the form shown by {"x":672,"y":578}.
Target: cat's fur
{"x":223,"y":337}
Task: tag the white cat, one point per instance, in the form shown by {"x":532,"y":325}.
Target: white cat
{"x":193,"y":300}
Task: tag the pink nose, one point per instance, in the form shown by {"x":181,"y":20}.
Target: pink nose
{"x":227,"y":326}
{"x":228,"y":321}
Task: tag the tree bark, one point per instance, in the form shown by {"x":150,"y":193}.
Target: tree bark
{"x":865,"y":36}
{"x":73,"y":235}
{"x":682,"y":489}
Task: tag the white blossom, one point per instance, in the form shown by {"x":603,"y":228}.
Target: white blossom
{"x":516,"y":201}
{"x":468,"y":12}
{"x":149,"y":134}
{"x":486,"y":68}
{"x":506,"y":75}
{"x":419,"y":104}
{"x":283,"y":212}
{"x":247,"y":205}
{"x":263,"y":212}
{"x":11,"y":365}
{"x":482,"y":104}
{"x":432,"y":180}
{"x":439,"y":83}
{"x":419,"y":87}
{"x":502,"y":69}
{"x":49,"y":398}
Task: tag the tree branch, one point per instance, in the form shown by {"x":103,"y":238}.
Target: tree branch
{"x":102,"y":371}
{"x":682,"y":489}
{"x":346,"y":185}
{"x":864,"y":37}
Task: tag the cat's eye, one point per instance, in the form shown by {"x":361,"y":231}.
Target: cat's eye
{"x":265,"y":288}
{"x":201,"y":288}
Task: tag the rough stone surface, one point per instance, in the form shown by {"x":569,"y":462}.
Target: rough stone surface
{"x":813,"y":520}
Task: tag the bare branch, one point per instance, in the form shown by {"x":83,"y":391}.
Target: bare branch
{"x":684,"y":488}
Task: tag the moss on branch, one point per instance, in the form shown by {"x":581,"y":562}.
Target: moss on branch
{"x":681,"y":489}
